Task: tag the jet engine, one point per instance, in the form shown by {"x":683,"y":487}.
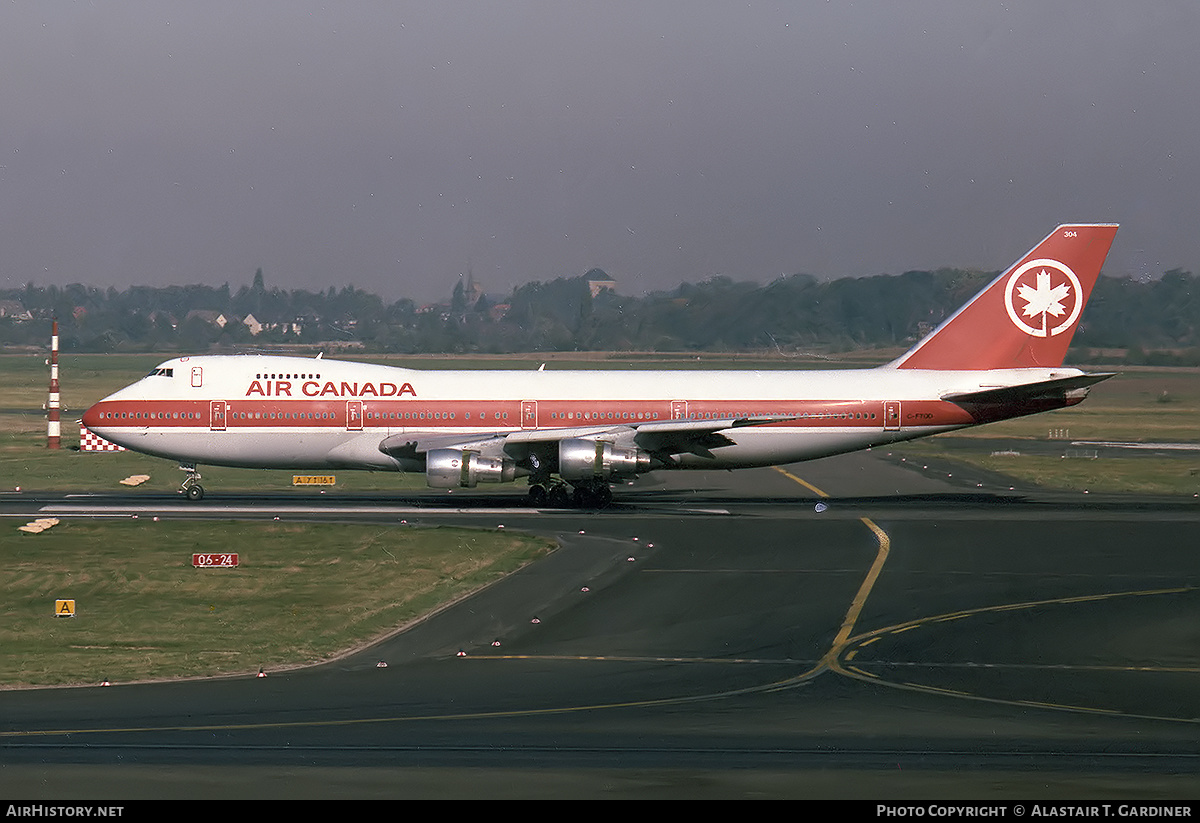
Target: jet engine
{"x":580,"y":459}
{"x":454,"y":468}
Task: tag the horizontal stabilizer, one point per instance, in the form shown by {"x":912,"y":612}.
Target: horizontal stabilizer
{"x":1044,"y":390}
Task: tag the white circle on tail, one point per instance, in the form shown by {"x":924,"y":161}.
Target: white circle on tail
{"x":1046,"y":288}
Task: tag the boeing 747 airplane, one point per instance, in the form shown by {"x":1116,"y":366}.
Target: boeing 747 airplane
{"x":571,"y":434}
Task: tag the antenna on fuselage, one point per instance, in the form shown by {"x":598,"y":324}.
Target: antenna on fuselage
{"x":319,"y":355}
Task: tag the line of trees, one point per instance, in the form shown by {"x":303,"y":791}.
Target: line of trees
{"x":1154,"y":320}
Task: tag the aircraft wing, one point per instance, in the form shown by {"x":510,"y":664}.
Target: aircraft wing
{"x":669,"y":437}
{"x":661,"y":438}
{"x":415,"y":443}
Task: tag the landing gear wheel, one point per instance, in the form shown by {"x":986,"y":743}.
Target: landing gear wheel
{"x":593,"y":495}
{"x":558,"y":497}
{"x":190,"y":487}
{"x":537,"y":496}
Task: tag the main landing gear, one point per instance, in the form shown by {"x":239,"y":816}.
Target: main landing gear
{"x":191,"y":488}
{"x":555,"y":494}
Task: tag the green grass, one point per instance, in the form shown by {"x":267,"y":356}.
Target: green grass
{"x":1138,"y":475}
{"x":1128,"y":474}
{"x":302,"y":593}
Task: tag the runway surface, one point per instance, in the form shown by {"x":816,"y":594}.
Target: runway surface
{"x":851,"y":627}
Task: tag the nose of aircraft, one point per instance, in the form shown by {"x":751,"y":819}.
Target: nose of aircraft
{"x":94,"y":418}
{"x":91,"y":417}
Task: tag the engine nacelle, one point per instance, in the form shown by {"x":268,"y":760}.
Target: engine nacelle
{"x":456,"y":468}
{"x":580,"y":459}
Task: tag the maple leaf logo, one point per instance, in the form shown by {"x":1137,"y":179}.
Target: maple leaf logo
{"x":1057,"y":306}
{"x":1044,"y":300}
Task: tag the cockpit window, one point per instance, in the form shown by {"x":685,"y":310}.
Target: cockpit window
{"x":162,"y":373}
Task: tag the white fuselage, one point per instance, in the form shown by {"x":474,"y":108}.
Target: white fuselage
{"x":298,"y":413}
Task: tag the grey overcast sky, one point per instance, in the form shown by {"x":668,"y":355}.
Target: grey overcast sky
{"x":394,"y":145}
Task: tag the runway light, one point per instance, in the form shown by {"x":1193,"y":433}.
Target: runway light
{"x":261,"y":673}
{"x":629,"y":559}
{"x":585,"y":589}
{"x":820,"y":507}
{"x":581,"y":531}
{"x":461,"y":653}
{"x":496,"y":642}
{"x":105,"y":682}
{"x":535,"y":619}
{"x":381,"y":665}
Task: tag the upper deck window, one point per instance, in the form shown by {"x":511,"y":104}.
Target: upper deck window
{"x":162,"y":373}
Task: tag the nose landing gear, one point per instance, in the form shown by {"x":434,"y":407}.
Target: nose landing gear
{"x":191,"y":488}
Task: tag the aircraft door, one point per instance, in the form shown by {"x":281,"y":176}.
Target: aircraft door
{"x":679,"y":410}
{"x":891,"y":415}
{"x":216,"y":415}
{"x":354,"y":418}
{"x":529,"y":414}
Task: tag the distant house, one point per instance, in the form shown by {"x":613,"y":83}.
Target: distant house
{"x":213,"y":318}
{"x":251,"y":323}
{"x":306,"y":321}
{"x":442,"y":310}
{"x":599,"y":284}
{"x":14,"y":310}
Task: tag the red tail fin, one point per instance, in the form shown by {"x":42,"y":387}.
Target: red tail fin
{"x":1027,"y":316}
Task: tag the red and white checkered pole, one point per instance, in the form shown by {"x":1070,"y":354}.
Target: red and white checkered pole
{"x":53,"y":427}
